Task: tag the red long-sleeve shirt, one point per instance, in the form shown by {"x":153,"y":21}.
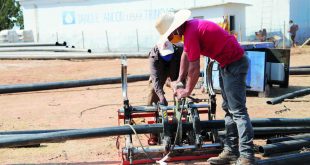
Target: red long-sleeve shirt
{"x":202,"y":37}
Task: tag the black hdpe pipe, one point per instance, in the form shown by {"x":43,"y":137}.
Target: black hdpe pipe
{"x":285,"y":146}
{"x":32,"y":139}
{"x":260,"y":125}
{"x":68,"y":84}
{"x":31,"y":131}
{"x":258,"y":131}
{"x":291,"y":95}
{"x":300,"y":71}
{"x":302,"y":66}
{"x":287,"y":138}
{"x":32,"y":44}
{"x":278,"y":122}
{"x":294,"y":123}
{"x":297,"y":159}
{"x":264,"y":132}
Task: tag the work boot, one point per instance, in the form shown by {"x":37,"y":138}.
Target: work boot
{"x":153,"y":139}
{"x":245,"y":161}
{"x":225,"y":157}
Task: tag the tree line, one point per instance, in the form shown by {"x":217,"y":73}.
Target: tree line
{"x":10,"y":14}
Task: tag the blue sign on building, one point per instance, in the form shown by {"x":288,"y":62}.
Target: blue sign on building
{"x":68,"y":17}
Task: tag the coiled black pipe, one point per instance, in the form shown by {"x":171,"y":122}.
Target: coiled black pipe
{"x":209,"y":79}
{"x":287,"y":138}
{"x":297,"y":159}
{"x":68,"y":84}
{"x":291,"y":95}
{"x":285,"y":146}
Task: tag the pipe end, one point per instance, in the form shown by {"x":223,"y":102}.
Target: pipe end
{"x":261,"y":150}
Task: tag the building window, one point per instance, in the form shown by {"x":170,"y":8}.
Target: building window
{"x":232,"y":23}
{"x":198,"y":17}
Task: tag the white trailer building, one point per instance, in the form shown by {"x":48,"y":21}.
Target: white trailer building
{"x":128,"y":25}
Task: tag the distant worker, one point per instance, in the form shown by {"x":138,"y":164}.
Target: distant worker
{"x":164,"y":60}
{"x":264,"y":35}
{"x":225,"y":24}
{"x":293,"y":29}
{"x":203,"y":37}
{"x":261,"y":35}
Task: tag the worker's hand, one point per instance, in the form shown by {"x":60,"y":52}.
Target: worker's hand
{"x":173,"y":85}
{"x":176,"y":85}
{"x":181,"y":93}
{"x":163,"y":101}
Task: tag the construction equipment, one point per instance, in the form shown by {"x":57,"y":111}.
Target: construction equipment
{"x":190,"y":144}
{"x":177,"y":132}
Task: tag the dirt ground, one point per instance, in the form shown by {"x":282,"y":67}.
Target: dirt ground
{"x":96,"y":106}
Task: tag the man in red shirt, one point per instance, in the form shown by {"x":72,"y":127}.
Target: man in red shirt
{"x":202,"y":37}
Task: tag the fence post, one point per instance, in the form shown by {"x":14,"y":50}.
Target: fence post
{"x":83,"y":39}
{"x":137,"y":40}
{"x":283,"y":43}
{"x":57,"y":36}
{"x":106,"y":34}
{"x":240,"y":32}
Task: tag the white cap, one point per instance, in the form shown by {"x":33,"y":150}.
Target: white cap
{"x":165,"y":48}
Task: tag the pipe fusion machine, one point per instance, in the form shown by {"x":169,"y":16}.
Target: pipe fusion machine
{"x":182,"y":136}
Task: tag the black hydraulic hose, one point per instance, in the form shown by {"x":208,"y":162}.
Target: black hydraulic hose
{"x":297,"y":159}
{"x":68,"y":84}
{"x":300,"y":71}
{"x":287,"y":138}
{"x":291,"y":95}
{"x":209,"y":78}
{"x":31,"y":139}
{"x":285,"y":146}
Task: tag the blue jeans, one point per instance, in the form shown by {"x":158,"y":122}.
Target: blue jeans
{"x":237,"y":121}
